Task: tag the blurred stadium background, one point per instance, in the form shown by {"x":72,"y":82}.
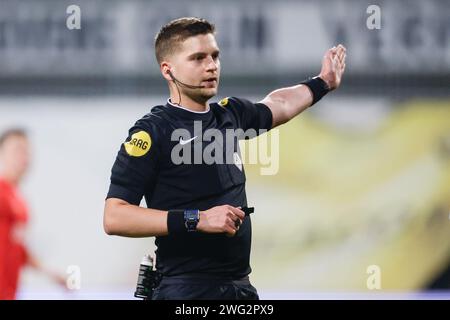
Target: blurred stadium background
{"x":364,"y":176}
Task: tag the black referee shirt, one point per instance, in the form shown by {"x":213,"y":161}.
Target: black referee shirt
{"x":144,"y":167}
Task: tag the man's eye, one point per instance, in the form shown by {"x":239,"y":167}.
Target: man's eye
{"x":199,"y":58}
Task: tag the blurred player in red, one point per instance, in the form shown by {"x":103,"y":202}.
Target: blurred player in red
{"x":14,"y":162}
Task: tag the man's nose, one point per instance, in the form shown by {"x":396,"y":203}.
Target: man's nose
{"x":211,"y":64}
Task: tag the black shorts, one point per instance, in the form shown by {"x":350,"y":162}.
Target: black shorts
{"x":204,"y":288}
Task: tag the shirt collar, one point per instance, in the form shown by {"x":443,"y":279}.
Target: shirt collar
{"x":183,"y":112}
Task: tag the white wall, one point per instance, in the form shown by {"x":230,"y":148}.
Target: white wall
{"x":74,"y":143}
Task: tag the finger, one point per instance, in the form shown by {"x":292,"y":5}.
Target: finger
{"x":238,"y":212}
{"x":341,"y":64}
{"x":340,"y":51}
{"x":231,"y":224}
{"x":339,"y":60}
{"x":232,"y":216}
{"x":230,"y":232}
{"x":330,"y":52}
{"x":342,"y":55}
{"x":334,"y":64}
{"x":235,"y":225}
{"x":328,"y":60}
{"x":338,"y":63}
{"x":342,"y":59}
{"x":341,"y":47}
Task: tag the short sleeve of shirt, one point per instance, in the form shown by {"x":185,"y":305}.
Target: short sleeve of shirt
{"x":249,"y":115}
{"x":135,"y":169}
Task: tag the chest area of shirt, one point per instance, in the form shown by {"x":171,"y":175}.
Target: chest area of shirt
{"x":17,"y":209}
{"x":196,"y":143}
{"x":206,"y":158}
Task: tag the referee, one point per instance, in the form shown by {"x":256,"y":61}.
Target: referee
{"x":198,"y":210}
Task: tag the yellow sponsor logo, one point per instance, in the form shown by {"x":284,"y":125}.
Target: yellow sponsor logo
{"x":223,"y":102}
{"x":139,"y":144}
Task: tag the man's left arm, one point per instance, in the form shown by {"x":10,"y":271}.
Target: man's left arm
{"x":286,"y":103}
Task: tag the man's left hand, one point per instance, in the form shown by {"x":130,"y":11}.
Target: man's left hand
{"x":333,"y":66}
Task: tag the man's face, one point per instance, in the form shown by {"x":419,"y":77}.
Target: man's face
{"x":15,"y":156}
{"x":197,"y":63}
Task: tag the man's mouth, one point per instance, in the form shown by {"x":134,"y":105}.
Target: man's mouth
{"x":210,"y":82}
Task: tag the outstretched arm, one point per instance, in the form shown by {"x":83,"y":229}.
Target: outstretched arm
{"x":286,"y":103}
{"x":55,"y":276}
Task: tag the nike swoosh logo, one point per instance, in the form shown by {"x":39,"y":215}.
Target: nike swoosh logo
{"x":183,"y":142}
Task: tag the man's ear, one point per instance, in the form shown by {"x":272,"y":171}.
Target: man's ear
{"x":165,"y":70}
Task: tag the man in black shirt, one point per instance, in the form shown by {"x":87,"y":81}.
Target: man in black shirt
{"x":190,"y":175}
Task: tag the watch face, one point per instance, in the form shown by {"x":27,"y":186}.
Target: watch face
{"x":191,"y":225}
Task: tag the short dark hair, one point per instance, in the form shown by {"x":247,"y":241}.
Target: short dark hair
{"x":176,"y":31}
{"x":12,"y":132}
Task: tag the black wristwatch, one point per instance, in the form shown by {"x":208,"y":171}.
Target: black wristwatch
{"x":191,"y":218}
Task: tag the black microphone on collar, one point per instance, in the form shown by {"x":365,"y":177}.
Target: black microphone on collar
{"x":184,"y":84}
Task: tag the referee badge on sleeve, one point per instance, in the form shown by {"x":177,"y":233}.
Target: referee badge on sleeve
{"x":223,"y":102}
{"x":139,"y":144}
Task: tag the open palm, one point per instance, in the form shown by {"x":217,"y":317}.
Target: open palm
{"x":333,"y":66}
